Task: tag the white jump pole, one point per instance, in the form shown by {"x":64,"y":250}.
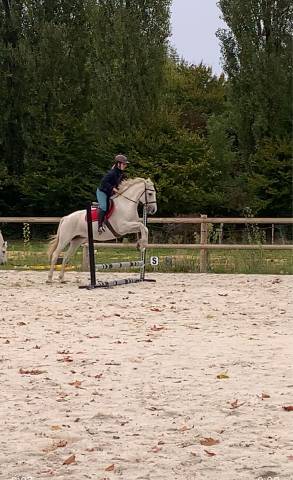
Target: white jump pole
{"x":110,"y":266}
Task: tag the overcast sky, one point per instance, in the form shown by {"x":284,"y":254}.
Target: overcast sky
{"x":194,"y":23}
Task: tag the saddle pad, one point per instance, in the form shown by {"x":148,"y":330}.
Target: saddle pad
{"x":96,"y":211}
{"x":95,"y":214}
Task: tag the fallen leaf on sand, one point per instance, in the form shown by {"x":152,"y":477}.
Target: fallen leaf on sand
{"x":61,"y":443}
{"x":235,"y":404}
{"x":210,"y":454}
{"x":263,"y":396}
{"x":185,"y":428}
{"x":76,"y":383}
{"x":65,"y":359}
{"x":56,"y":427}
{"x":110,"y":468}
{"x":156,"y":328}
{"x":155,"y":309}
{"x":34,"y":371}
{"x":222,"y":375}
{"x":208,"y":442}
{"x":69,"y":460}
{"x":156,"y":449}
{"x":289,"y":408}
{"x":55,"y":445}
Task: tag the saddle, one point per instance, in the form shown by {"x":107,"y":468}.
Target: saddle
{"x":96,"y":211}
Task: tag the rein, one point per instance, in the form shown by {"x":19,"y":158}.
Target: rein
{"x":139,"y":200}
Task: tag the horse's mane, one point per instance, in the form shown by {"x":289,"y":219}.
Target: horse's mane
{"x":125,"y":184}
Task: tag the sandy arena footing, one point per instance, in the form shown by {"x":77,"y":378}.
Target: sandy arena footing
{"x":183,"y":379}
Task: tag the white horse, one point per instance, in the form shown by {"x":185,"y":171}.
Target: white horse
{"x":3,"y":250}
{"x":72,"y":229}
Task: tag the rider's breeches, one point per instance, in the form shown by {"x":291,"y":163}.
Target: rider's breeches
{"x":102,"y":200}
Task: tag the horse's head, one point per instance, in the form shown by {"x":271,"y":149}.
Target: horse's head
{"x":140,"y":190}
{"x":3,"y":250}
{"x":149,"y":197}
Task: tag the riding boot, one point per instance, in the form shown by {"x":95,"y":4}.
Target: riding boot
{"x":101,"y":227}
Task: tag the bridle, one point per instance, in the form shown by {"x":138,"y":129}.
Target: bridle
{"x":146,"y":202}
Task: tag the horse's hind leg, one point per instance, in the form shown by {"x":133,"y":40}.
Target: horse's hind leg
{"x":74,"y":244}
{"x":60,"y":247}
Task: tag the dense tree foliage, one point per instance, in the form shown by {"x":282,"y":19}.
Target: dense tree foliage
{"x":82,"y":80}
{"x":257,"y":52}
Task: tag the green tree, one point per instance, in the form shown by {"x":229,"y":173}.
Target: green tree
{"x":60,"y":136}
{"x":11,"y":87}
{"x":257,"y":54}
{"x":194,"y":93}
{"x":131,"y":39}
{"x":79,"y":77}
{"x":271,"y":181}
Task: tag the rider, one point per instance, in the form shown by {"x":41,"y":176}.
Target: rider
{"x":109,"y":186}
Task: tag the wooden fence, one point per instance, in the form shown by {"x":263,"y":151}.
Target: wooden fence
{"x":203,"y":246}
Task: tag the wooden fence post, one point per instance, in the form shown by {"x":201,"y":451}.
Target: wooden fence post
{"x":221,"y":233}
{"x":85,"y":258}
{"x":203,"y":255}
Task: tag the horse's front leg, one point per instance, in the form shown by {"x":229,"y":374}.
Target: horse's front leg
{"x":144,"y":237}
{"x":138,"y":227}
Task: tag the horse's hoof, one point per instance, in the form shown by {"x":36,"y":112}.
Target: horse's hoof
{"x":49,"y":281}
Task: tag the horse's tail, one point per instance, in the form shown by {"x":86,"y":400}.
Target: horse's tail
{"x":54,"y":239}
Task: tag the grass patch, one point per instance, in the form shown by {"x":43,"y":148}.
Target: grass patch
{"x":275,"y":262}
{"x":34,"y":257}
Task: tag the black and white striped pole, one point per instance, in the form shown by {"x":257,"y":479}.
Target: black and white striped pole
{"x":91,"y":245}
{"x":143,"y":251}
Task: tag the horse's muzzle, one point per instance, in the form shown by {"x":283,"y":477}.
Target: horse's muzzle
{"x":151,"y":209}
